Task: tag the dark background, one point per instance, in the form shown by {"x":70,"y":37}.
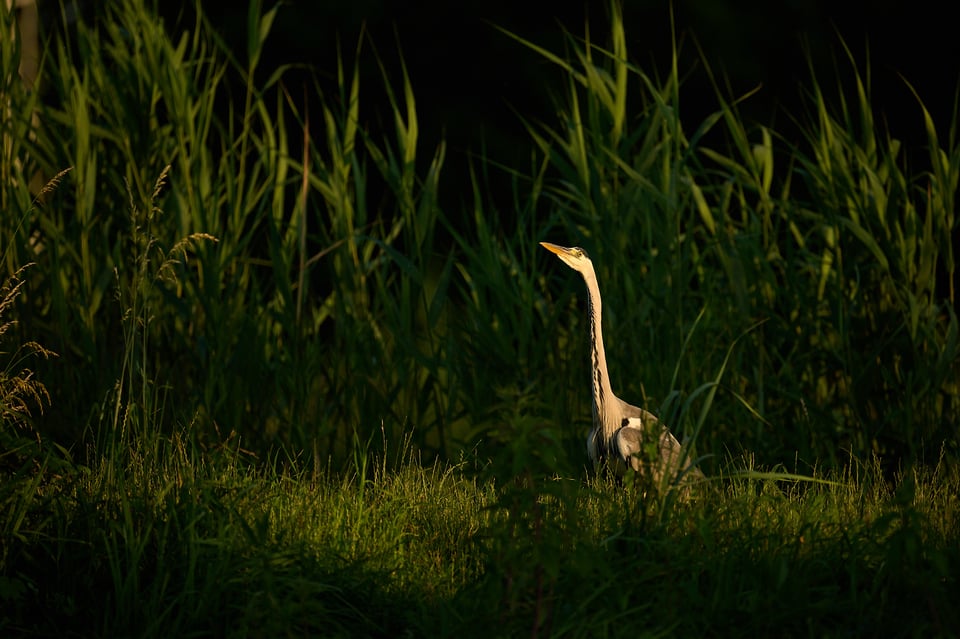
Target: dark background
{"x":468,"y":77}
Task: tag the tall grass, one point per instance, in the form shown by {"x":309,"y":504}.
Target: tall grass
{"x":789,"y":297}
{"x":277,"y":332}
{"x":831,"y":257}
{"x":21,"y":393}
{"x":847,"y":268}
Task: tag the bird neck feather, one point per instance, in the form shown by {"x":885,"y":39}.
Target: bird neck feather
{"x":603,"y":398}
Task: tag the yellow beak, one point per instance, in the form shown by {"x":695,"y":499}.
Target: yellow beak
{"x":555,"y":248}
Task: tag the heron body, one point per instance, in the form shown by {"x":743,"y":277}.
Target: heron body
{"x":621,"y":432}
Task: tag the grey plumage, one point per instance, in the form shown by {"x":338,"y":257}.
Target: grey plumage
{"x":621,"y":432}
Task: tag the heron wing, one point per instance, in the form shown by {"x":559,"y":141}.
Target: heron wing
{"x":629,"y":440}
{"x":631,"y":412}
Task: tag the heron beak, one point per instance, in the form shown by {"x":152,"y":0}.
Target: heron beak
{"x":555,"y":248}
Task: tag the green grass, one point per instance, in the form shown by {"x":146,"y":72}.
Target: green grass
{"x":269,"y":264}
{"x":188,"y":545}
{"x":295,"y":392}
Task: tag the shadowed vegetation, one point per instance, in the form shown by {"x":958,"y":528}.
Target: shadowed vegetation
{"x":296,"y":392}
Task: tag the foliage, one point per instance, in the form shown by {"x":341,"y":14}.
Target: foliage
{"x":171,"y":540}
{"x":255,"y":295}
{"x":833,"y":261}
{"x":19,"y":389}
{"x":340,"y":297}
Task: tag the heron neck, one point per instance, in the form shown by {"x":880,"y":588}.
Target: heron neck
{"x":602,"y":393}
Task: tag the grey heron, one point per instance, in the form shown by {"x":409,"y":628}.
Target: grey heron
{"x":621,"y":432}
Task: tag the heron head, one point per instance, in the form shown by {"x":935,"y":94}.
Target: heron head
{"x":574,"y":257}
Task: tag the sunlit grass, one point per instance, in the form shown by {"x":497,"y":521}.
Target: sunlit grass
{"x":179,"y":543}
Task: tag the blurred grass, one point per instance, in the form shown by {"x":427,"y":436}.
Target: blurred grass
{"x":296,"y":394}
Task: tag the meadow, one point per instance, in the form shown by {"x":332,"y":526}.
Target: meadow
{"x":265,"y":370}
